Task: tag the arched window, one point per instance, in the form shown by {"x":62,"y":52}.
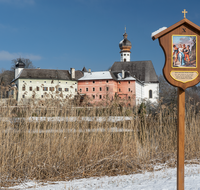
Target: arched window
{"x":150,"y":94}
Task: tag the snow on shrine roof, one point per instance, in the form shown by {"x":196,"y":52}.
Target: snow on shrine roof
{"x":158,"y":31}
{"x":169,"y":29}
{"x":96,"y":75}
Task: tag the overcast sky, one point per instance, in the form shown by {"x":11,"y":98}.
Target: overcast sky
{"x":60,"y":34}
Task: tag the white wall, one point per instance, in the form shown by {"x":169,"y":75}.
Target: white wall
{"x":139,"y":92}
{"x":155,"y":92}
{"x":17,"y":71}
{"x":34,"y":83}
{"x":125,"y":55}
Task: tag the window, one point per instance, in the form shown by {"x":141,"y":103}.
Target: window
{"x":119,"y":82}
{"x":100,"y":89}
{"x":33,"y":96}
{"x":51,"y":88}
{"x":30,"y":81}
{"x":66,"y":89}
{"x":45,"y":88}
{"x":59,"y":89}
{"x":129,"y":82}
{"x":66,"y":96}
{"x":107,"y":88}
{"x":107,"y":81}
{"x":75,"y":89}
{"x":41,"y":96}
{"x":93,"y":81}
{"x":129,"y":97}
{"x":44,"y":81}
{"x":66,"y":82}
{"x":59,"y":82}
{"x":80,"y":90}
{"x":93,"y":89}
{"x":23,"y":96}
{"x":93,"y":96}
{"x":124,"y":54}
{"x":100,"y":96}
{"x":37,"y":88}
{"x":30,"y":88}
{"x":119,"y":89}
{"x":150,"y":93}
{"x":124,"y":60}
{"x":129,"y":89}
{"x":127,"y":54}
{"x":86,"y":89}
{"x":23,"y":88}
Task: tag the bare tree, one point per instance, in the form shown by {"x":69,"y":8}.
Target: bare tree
{"x":167,"y":92}
{"x":28,"y":63}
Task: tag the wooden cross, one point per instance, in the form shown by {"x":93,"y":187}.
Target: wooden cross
{"x":184,"y":12}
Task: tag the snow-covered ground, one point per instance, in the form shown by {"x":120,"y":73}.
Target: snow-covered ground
{"x":67,"y":119}
{"x":163,"y":179}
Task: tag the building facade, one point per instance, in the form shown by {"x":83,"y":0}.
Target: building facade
{"x":143,"y":71}
{"x":45,"y":83}
{"x":106,"y":86}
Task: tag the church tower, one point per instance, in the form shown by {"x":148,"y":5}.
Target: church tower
{"x":125,"y":46}
{"x":19,"y":66}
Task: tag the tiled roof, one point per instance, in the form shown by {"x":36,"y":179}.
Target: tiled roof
{"x":78,"y":74}
{"x":142,"y":70}
{"x":45,"y":74}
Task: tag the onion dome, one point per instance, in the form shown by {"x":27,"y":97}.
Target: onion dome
{"x":19,"y":64}
{"x":125,"y":44}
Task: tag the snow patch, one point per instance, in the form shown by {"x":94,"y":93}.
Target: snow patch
{"x":158,"y":31}
{"x":164,"y":179}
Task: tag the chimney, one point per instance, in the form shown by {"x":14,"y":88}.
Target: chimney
{"x":89,"y":70}
{"x":123,"y":74}
{"x":72,"y":71}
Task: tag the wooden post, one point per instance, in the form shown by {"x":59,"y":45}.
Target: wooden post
{"x":180,"y":139}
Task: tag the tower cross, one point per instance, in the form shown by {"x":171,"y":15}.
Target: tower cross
{"x":184,"y":12}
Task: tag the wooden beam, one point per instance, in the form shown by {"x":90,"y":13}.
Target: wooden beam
{"x":180,"y":139}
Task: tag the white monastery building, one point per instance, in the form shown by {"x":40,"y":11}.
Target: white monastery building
{"x":139,"y":80}
{"x":45,"y":83}
{"x":141,"y":70}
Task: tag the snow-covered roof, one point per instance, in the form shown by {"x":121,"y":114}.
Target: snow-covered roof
{"x":96,"y":75}
{"x":119,"y":77}
{"x":158,"y":31}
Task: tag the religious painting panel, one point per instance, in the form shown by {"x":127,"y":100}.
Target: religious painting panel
{"x":184,"y":51}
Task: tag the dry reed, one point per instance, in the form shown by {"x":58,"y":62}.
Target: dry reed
{"x":63,"y":150}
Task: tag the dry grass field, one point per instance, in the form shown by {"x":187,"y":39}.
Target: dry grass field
{"x":29,"y":151}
